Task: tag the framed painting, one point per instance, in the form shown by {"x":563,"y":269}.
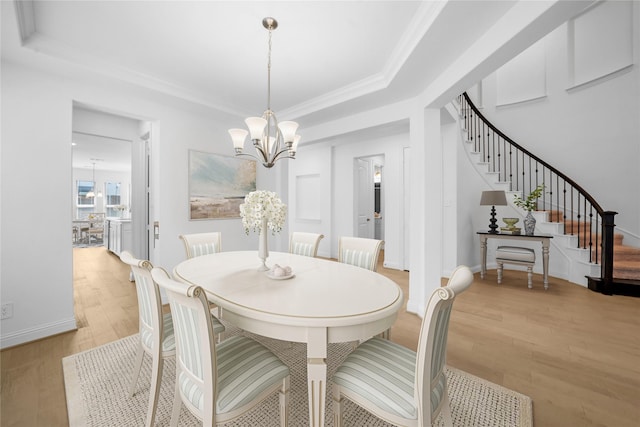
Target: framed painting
{"x":218,"y":185}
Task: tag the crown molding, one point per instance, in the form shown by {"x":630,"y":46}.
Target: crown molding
{"x":411,"y":37}
{"x":63,"y":53}
{"x":26,"y":19}
{"x":416,"y":30}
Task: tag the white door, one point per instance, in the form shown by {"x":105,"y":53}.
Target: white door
{"x":365,"y":199}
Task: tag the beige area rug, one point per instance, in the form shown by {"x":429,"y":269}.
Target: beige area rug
{"x":97,"y":380}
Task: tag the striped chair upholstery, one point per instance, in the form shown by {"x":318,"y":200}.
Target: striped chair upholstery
{"x":155,"y":330}
{"x":301,"y":243}
{"x":399,"y":385}
{"x":198,"y":244}
{"x":359,"y":251}
{"x":218,"y":382}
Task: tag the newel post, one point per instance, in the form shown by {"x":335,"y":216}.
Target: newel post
{"x":606,"y":271}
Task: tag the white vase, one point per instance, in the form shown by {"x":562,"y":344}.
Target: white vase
{"x":263,"y":250}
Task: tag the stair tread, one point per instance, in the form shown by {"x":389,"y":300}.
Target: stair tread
{"x":627,"y":264}
{"x":626,"y":249}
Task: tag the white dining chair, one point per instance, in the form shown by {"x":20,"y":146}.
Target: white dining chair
{"x":155,"y":330}
{"x":359,"y":251}
{"x":197,"y":244}
{"x":218,"y":382}
{"x":396,"y":384}
{"x":301,"y":243}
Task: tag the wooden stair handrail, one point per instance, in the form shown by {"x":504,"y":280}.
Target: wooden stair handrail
{"x":584,"y":193}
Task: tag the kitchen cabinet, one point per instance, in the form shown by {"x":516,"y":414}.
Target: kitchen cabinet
{"x":119,"y":236}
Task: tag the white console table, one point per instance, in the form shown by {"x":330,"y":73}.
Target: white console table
{"x":545,"y":239}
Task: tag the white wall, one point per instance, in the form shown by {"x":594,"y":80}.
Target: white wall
{"x":36,"y":154}
{"x":344,"y":186}
{"x":310,"y":194}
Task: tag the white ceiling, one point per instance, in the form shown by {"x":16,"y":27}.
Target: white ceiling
{"x":324,"y":53}
{"x":329,"y":58}
{"x":102,"y":151}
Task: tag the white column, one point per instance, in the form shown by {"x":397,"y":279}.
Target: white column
{"x":426,"y":220}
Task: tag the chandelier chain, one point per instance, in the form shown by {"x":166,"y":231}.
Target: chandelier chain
{"x":269,"y":73}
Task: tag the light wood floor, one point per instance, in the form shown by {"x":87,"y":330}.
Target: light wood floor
{"x":576,"y":353}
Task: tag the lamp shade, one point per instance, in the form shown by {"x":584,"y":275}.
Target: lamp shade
{"x":288,"y":130}
{"x":493,"y":198}
{"x":238,"y":136}
{"x":256,"y":126}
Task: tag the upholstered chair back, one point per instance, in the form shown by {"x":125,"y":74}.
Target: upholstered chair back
{"x":197,"y":244}
{"x":359,"y":251}
{"x":404,"y":387}
{"x":150,"y":316}
{"x":301,"y":243}
{"x":431,"y":358}
{"x":217,"y":382}
{"x":155,"y":331}
{"x":195,"y":343}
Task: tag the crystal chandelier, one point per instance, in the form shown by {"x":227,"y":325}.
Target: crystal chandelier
{"x":272,"y":140}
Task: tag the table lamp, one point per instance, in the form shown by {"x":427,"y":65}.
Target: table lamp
{"x":493,"y":199}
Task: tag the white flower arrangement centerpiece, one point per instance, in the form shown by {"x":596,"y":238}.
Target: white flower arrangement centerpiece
{"x":261,"y":211}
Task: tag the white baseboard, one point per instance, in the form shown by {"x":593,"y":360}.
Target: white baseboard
{"x":37,"y":332}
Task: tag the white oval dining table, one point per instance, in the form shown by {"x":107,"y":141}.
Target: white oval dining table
{"x":324,"y":302}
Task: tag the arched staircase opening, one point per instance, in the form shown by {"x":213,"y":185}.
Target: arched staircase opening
{"x":579,"y":224}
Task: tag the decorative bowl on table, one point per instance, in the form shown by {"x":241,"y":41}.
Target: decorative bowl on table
{"x":511,"y":223}
{"x":280,"y":273}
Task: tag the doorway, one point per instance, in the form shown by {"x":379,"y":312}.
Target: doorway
{"x":369,"y":200}
{"x":108,"y":156}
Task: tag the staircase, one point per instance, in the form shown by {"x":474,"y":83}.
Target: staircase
{"x":626,"y":258}
{"x":582,"y":230}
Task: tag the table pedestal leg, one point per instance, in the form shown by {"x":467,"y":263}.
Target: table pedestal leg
{"x":317,"y":374}
{"x":317,"y":388}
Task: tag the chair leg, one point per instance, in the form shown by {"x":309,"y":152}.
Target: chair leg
{"x":500,"y":267}
{"x":337,"y":407}
{"x":136,"y":370}
{"x":445,"y":410}
{"x":530,"y":276}
{"x":177,"y":406}
{"x":284,"y":403}
{"x":154,"y":389}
